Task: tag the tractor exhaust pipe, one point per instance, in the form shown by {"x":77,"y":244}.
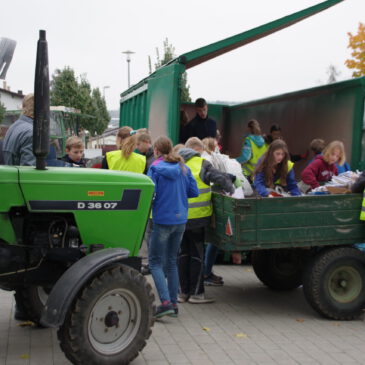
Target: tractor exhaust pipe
{"x":41,"y":104}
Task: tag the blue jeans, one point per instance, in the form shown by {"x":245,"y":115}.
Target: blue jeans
{"x":211,"y":252}
{"x":162,"y":257}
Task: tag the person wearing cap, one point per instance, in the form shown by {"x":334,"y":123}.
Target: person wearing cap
{"x":18,"y":141}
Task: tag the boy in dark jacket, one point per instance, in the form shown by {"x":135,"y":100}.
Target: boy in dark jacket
{"x":74,"y":152}
{"x":144,"y":146}
{"x":191,"y":257}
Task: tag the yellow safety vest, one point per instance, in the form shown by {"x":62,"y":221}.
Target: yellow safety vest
{"x":201,"y":206}
{"x":256,"y":153}
{"x":134,"y":163}
{"x":278,"y":181}
{"x":362,"y":214}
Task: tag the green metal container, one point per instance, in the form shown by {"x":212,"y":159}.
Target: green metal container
{"x":307,"y":221}
{"x":154,"y":102}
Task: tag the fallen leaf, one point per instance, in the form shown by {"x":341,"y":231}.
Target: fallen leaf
{"x":241,"y":335}
{"x":207,"y":329}
{"x":336,"y":324}
{"x":24,"y":356}
{"x":248,"y":270}
{"x":26,"y":324}
{"x":300,"y":320}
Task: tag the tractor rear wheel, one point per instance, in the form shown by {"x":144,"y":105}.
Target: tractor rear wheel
{"x":110,"y":319}
{"x":279,"y":269}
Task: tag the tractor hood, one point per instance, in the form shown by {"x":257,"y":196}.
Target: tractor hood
{"x":108,"y":206}
{"x":78,"y":184}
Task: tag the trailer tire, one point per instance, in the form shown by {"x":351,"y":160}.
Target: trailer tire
{"x":279,"y":269}
{"x":334,"y":283}
{"x":32,"y":300}
{"x":110,"y":319}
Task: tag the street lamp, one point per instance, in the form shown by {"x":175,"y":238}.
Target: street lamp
{"x":105,"y":87}
{"x":128,"y":53}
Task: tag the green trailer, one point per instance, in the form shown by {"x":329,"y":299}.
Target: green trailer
{"x":294,"y":241}
{"x":298,"y":241}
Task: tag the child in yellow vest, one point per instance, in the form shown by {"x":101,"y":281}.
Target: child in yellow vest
{"x":275,"y":168}
{"x":254,"y":147}
{"x":191,"y":256}
{"x":124,"y":159}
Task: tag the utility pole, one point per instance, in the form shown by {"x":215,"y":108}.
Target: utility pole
{"x":128,"y":54}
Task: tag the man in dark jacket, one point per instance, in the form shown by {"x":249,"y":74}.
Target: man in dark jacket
{"x":18,"y":150}
{"x":201,"y":126}
{"x":191,"y":257}
{"x":18,"y":141}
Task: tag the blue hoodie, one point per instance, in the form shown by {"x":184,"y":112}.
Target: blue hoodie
{"x":173,"y":187}
{"x":246,"y":150}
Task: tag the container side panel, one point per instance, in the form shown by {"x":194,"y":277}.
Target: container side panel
{"x":133,"y":111}
{"x":163,"y":102}
{"x":327,"y":114}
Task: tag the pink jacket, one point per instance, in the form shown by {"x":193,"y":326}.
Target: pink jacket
{"x":318,"y":171}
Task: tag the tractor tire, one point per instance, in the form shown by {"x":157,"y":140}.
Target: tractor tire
{"x":334,"y":283}
{"x":110,"y":319}
{"x":31,"y":301}
{"x":279,"y":269}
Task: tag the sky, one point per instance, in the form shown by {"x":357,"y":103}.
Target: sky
{"x":90,"y":36}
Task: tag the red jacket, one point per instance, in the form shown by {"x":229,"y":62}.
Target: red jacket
{"x":318,"y":171}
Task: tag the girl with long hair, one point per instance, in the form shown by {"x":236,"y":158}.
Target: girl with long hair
{"x":125,"y":159}
{"x":174,"y":184}
{"x":275,"y":168}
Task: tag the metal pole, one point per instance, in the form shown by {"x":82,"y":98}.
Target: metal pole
{"x":129,"y":73}
{"x":128,"y":54}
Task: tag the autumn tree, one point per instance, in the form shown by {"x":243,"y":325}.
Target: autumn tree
{"x":70,"y":91}
{"x":357,"y":44}
{"x":168,"y":55}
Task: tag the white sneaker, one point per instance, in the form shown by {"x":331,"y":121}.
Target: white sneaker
{"x":182,"y":298}
{"x":200,"y":299}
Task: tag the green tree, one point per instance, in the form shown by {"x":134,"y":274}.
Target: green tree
{"x":67,"y":90}
{"x":2,"y":112}
{"x":357,"y":44}
{"x":64,"y":88}
{"x":168,"y":55}
{"x":101,"y":112}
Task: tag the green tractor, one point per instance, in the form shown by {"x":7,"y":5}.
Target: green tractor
{"x":69,"y":240}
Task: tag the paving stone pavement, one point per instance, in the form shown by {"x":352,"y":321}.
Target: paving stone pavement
{"x":248,"y":324}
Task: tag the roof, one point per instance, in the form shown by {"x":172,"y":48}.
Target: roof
{"x":12,"y":93}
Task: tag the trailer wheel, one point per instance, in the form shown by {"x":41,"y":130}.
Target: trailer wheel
{"x":334,"y":284}
{"x":278,"y":269}
{"x":32,"y":300}
{"x":110,"y":320}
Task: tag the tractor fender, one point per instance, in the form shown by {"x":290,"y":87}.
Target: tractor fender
{"x":73,"y":279}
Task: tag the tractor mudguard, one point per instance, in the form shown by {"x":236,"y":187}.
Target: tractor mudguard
{"x":70,"y":283}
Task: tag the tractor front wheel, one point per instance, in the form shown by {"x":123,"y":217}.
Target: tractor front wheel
{"x":110,"y":320}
